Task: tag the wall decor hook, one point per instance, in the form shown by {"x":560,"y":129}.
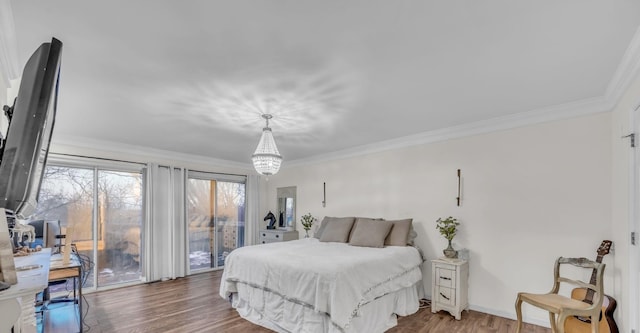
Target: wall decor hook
{"x":459,"y":181}
{"x":632,"y":139}
{"x":324,"y":194}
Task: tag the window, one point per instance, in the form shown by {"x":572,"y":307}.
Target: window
{"x":215,"y":218}
{"x":104,"y":208}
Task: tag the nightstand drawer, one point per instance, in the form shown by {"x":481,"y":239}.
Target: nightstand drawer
{"x":446,"y":277}
{"x":270,"y":236}
{"x":278,"y":235}
{"x":446,"y":296}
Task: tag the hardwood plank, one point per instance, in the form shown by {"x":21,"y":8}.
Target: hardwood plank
{"x":192,"y":304}
{"x":61,"y":318}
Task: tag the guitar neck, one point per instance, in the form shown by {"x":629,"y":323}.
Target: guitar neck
{"x":588,"y":298}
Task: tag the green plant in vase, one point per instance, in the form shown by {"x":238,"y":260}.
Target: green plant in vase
{"x":448,"y":228}
{"x":307,"y":221}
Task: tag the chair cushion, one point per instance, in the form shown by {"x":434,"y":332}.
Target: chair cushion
{"x":553,"y":302}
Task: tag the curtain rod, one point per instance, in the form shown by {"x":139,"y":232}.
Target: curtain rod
{"x":97,"y":158}
{"x":144,"y":164}
{"x":219,"y":173}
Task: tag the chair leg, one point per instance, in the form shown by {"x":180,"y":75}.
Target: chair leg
{"x":519,"y":314}
{"x":552,"y":322}
{"x":595,"y":324}
{"x":562,"y":318}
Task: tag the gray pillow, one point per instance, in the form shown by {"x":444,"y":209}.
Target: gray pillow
{"x":362,"y":218}
{"x":322,"y":226}
{"x":370,"y":233}
{"x":412,"y":236}
{"x":337,"y":229}
{"x":399,"y":235}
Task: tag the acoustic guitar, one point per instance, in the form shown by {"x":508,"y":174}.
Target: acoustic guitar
{"x":607,"y":323}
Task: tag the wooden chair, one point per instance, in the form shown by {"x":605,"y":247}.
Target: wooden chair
{"x":565,"y":307}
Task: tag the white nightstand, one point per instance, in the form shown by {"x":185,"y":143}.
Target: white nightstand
{"x":449,"y":286}
{"x":277,"y":235}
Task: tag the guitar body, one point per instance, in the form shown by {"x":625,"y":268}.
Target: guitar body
{"x":607,"y":324}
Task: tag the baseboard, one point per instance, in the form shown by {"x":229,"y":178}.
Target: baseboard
{"x":509,"y":315}
{"x":504,"y":314}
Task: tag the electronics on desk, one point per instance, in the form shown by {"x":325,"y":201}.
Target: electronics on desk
{"x":47,"y":233}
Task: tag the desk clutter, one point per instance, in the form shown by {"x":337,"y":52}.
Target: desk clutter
{"x":67,"y":276}
{"x":53,"y":278}
{"x":25,"y":251}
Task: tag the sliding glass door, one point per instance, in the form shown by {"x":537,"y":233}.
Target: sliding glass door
{"x":67,"y":195}
{"x":100,"y":210}
{"x":119,"y":224}
{"x":215,"y":218}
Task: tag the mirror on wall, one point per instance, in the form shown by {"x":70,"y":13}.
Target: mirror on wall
{"x":286,"y":207}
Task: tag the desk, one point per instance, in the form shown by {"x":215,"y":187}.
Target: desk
{"x":30,"y":283}
{"x":59,"y":271}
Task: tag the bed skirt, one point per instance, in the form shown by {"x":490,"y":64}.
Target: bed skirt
{"x":270,"y":310}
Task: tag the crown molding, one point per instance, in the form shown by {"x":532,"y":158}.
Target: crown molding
{"x":8,"y":44}
{"x":148,"y":154}
{"x":627,"y":69}
{"x":558,"y":112}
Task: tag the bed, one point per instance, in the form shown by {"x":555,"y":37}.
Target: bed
{"x":309,"y":285}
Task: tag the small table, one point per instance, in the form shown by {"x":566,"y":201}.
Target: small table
{"x":58,"y":270}
{"x":449,"y":286}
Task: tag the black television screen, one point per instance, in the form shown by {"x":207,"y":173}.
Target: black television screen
{"x":31,"y":119}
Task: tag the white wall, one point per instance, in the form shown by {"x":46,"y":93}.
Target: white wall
{"x":530,"y":194}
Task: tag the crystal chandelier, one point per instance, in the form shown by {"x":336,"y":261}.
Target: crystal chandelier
{"x":267,"y":159}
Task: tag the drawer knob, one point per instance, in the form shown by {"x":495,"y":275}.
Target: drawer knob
{"x":445,"y":278}
{"x":262,"y":242}
{"x":445,"y":297}
{"x":277,"y":236}
{"x":264,"y":235}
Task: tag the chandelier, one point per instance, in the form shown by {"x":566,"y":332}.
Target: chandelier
{"x":267,"y":159}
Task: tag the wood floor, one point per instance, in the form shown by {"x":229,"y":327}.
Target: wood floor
{"x":192,"y":304}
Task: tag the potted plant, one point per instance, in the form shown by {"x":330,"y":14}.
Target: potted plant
{"x":307,"y":221}
{"x":448,"y":228}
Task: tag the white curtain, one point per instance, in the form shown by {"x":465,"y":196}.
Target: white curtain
{"x":165,"y":227}
{"x":253,"y":219}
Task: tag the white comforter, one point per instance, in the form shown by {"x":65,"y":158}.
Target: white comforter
{"x":332,"y":278}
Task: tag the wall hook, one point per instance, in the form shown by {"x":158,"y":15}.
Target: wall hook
{"x":458,"y":198}
{"x":632,"y":139}
{"x":324,"y":194}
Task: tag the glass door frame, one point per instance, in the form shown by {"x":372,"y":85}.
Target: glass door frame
{"x":217,"y":177}
{"x":96,"y":166}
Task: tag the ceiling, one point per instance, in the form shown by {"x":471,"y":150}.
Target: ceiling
{"x":195,"y":76}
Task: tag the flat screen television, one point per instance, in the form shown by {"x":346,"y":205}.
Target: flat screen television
{"x":24,"y":152}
